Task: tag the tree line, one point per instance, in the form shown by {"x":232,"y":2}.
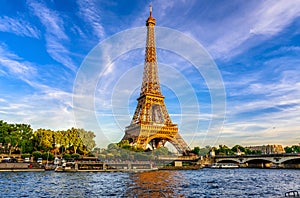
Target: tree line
{"x":21,"y":139}
{"x":124,"y":151}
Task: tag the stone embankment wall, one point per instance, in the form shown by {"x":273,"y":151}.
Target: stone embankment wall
{"x":14,"y":165}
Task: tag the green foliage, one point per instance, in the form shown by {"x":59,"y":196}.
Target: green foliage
{"x":205,"y":150}
{"x":23,"y":156}
{"x":112,"y":146}
{"x":256,"y":152}
{"x":224,"y":150}
{"x":72,"y":139}
{"x":141,"y":156}
{"x":124,"y":143}
{"x":292,"y":149}
{"x":102,"y":156}
{"x":124,"y":155}
{"x":43,"y":139}
{"x":67,"y":156}
{"x":196,"y":150}
{"x":47,"y":156}
{"x":110,"y":156}
{"x":15,"y":137}
{"x":36,"y":155}
{"x":161,"y":151}
{"x":87,"y":138}
{"x":75,"y":156}
{"x":239,"y":148}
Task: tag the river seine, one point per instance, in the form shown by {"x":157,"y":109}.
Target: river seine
{"x":199,"y":183}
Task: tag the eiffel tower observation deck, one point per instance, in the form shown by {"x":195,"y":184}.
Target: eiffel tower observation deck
{"x":151,"y":125}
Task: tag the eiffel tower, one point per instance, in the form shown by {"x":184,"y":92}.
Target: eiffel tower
{"x":151,"y":124}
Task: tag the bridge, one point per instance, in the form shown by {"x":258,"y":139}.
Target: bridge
{"x":284,"y":160}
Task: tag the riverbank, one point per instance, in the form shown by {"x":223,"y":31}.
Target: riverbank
{"x":20,"y":167}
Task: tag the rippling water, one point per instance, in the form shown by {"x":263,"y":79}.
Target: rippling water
{"x":200,"y":183}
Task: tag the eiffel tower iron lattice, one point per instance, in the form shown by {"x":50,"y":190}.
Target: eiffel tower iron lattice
{"x":151,"y":123}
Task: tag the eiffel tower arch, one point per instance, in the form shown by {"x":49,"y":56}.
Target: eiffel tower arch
{"x":151,"y":124}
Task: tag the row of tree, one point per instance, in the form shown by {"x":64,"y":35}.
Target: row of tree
{"x":224,"y":150}
{"x":292,"y":149}
{"x":20,"y":138}
{"x":124,"y":151}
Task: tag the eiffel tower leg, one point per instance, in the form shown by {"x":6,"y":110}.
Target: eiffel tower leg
{"x":180,"y":145}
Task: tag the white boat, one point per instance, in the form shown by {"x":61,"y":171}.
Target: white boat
{"x":224,"y":165}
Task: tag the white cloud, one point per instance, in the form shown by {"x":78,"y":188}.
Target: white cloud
{"x":272,"y":16}
{"x":55,"y":35}
{"x":50,"y":19}
{"x":90,"y":14}
{"x":43,"y":106}
{"x":18,"y":27}
{"x":268,"y":18}
{"x":59,"y":52}
{"x":271,"y":105}
{"x":48,"y":109}
{"x":2,"y":100}
{"x":15,"y":65}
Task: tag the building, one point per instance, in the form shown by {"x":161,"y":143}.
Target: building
{"x":268,"y":149}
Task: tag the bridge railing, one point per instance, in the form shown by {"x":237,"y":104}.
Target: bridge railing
{"x":259,"y":155}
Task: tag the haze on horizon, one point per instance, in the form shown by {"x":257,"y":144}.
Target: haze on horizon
{"x":255,"y":45}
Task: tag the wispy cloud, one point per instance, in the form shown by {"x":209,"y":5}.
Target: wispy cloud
{"x":55,"y":35}
{"x":90,"y":13}
{"x":48,"y":109}
{"x":271,"y":17}
{"x":40,"y":104}
{"x":18,"y":26}
{"x":14,"y":65}
{"x":266,"y":19}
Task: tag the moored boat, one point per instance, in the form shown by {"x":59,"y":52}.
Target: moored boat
{"x":224,"y":165}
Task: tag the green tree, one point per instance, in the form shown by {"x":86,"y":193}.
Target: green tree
{"x":224,"y":150}
{"x":87,"y":138}
{"x":196,"y":150}
{"x":43,"y":139}
{"x":26,"y":137}
{"x":15,"y":137}
{"x":292,"y":149}
{"x":296,"y":149}
{"x":36,"y":155}
{"x":112,"y":146}
{"x":161,"y":151}
{"x":67,"y":156}
{"x":47,"y":156}
{"x":75,"y":156}
{"x":74,"y":138}
{"x":237,"y":148}
{"x":205,"y":150}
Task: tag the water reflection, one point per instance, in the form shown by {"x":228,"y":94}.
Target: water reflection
{"x":156,"y":184}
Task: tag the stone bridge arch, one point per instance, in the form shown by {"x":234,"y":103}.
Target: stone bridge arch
{"x":227,"y":160}
{"x":263,"y":159}
{"x":290,"y":159}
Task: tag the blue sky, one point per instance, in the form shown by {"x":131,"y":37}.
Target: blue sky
{"x":254,"y":46}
